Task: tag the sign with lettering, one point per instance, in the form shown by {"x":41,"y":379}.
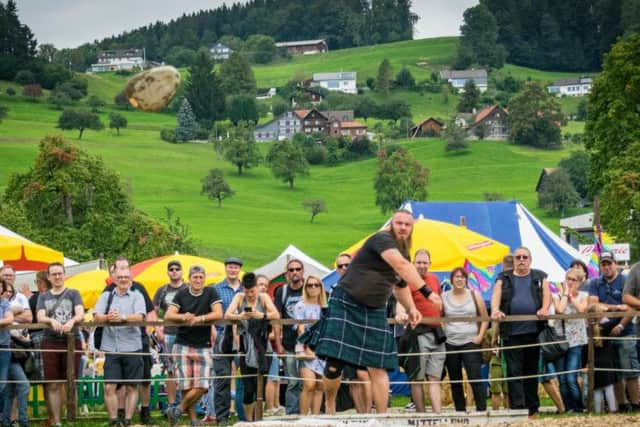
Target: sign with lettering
{"x":621,"y":251}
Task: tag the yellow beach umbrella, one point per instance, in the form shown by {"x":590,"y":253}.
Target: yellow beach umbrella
{"x":152,"y":273}
{"x":450,"y":245}
{"x":24,"y":254}
{"x":90,"y":284}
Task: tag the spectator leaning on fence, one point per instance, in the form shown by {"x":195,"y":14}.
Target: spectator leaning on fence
{"x":121,"y":306}
{"x":571,"y":301}
{"x":61,"y":308}
{"x":464,"y":336}
{"x":252,"y":309}
{"x":631,"y":297}
{"x":522,"y":290}
{"x":226,"y":290}
{"x":6,"y":318}
{"x":607,"y":289}
{"x":193,"y":306}
{"x":167,"y":334}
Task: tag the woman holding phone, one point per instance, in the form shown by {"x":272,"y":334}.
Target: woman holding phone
{"x":252,"y":308}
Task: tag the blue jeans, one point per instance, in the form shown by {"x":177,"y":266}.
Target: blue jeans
{"x":569,"y":388}
{"x":5,"y":361}
{"x":294,"y":386}
{"x":20,"y":391}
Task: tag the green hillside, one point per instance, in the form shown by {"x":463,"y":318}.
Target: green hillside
{"x":265,"y":216}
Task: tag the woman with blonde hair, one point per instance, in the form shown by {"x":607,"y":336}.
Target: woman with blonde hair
{"x":314,"y":298}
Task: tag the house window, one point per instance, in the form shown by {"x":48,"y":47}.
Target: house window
{"x":259,"y":134}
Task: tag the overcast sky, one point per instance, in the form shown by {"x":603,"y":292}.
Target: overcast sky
{"x":69,"y":23}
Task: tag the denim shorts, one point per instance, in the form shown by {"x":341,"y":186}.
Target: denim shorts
{"x":627,"y":358}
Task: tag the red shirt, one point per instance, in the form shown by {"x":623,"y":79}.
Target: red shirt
{"x":424,"y":305}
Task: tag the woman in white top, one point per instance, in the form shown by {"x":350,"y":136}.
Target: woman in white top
{"x":571,"y":301}
{"x":311,"y":370}
{"x":462,"y":302}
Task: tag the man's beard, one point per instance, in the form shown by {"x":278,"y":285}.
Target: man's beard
{"x":404,"y":246}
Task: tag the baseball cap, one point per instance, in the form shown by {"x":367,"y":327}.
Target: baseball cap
{"x":233,"y":260}
{"x":194,"y":269}
{"x":607,"y":256}
{"x":173,"y":263}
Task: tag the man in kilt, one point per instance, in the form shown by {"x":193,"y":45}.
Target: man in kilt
{"x":354,"y":330}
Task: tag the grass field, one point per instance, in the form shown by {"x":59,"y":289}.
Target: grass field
{"x":265,"y":216}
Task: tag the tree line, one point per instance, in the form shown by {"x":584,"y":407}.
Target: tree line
{"x":544,"y":34}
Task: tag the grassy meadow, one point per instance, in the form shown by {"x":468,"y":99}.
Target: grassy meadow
{"x":265,"y":215}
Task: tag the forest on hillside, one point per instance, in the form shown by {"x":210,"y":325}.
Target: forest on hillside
{"x":343,"y":23}
{"x":570,"y":35}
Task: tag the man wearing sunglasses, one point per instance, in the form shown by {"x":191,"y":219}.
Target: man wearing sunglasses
{"x":522,"y":290}
{"x":286,"y":297}
{"x":608,"y":289}
{"x":167,"y":335}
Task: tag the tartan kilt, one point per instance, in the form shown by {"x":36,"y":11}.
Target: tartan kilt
{"x":36,"y":341}
{"x":353,"y":333}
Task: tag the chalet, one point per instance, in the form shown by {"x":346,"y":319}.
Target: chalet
{"x":313,"y":121}
{"x":496,"y":123}
{"x":464,"y":119}
{"x":220,"y":51}
{"x":458,"y":78}
{"x":284,"y":126}
{"x":578,"y":86}
{"x":351,"y":130}
{"x":308,"y":122}
{"x":428,"y":127}
{"x":304,"y":47}
{"x":115,"y":60}
{"x":544,"y":174}
{"x":341,"y":82}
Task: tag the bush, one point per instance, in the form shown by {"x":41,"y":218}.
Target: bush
{"x":168,"y":135}
{"x":25,"y":77}
{"x":10,"y":91}
{"x":122,"y":101}
{"x":123,"y":73}
{"x":361,"y":147}
{"x":316,"y":154}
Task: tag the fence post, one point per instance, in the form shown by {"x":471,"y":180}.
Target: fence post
{"x":591,"y":365}
{"x":259,"y":395}
{"x":72,"y":404}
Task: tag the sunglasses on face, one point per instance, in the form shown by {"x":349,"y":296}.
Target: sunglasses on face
{"x":572,"y":279}
{"x":521,"y":257}
{"x":291,"y":270}
{"x":343,"y":265}
{"x":313,"y":285}
{"x":606,"y":263}
{"x":174,"y":269}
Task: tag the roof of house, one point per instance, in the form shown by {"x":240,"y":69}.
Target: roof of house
{"x":482,"y":114}
{"x":440,"y":122}
{"x":544,"y":173}
{"x":120,"y":53}
{"x":463,"y":74}
{"x":340,"y":115}
{"x":352,"y":125}
{"x":572,"y":81}
{"x":301,"y":113}
{"x":347,"y":75}
{"x":300,"y":43}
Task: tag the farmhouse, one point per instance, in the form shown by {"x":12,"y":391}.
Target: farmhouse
{"x":544,"y":174}
{"x":458,"y":78}
{"x":304,"y":47}
{"x":494,"y":121}
{"x":428,"y":127}
{"x":335,"y":123}
{"x":114,"y":60}
{"x":341,"y":82}
{"x":578,"y":86}
{"x":220,"y":51}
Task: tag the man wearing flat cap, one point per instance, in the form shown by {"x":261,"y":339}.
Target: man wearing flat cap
{"x":226,"y":289}
{"x":194,"y":306}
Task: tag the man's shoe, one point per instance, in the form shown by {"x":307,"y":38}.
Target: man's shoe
{"x":145,"y":416}
{"x":624,"y":408}
{"x":174,"y":415}
{"x":635,"y":407}
{"x":410,"y":406}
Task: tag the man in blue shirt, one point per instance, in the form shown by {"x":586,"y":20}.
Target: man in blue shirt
{"x":607,"y":289}
{"x":226,"y":290}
